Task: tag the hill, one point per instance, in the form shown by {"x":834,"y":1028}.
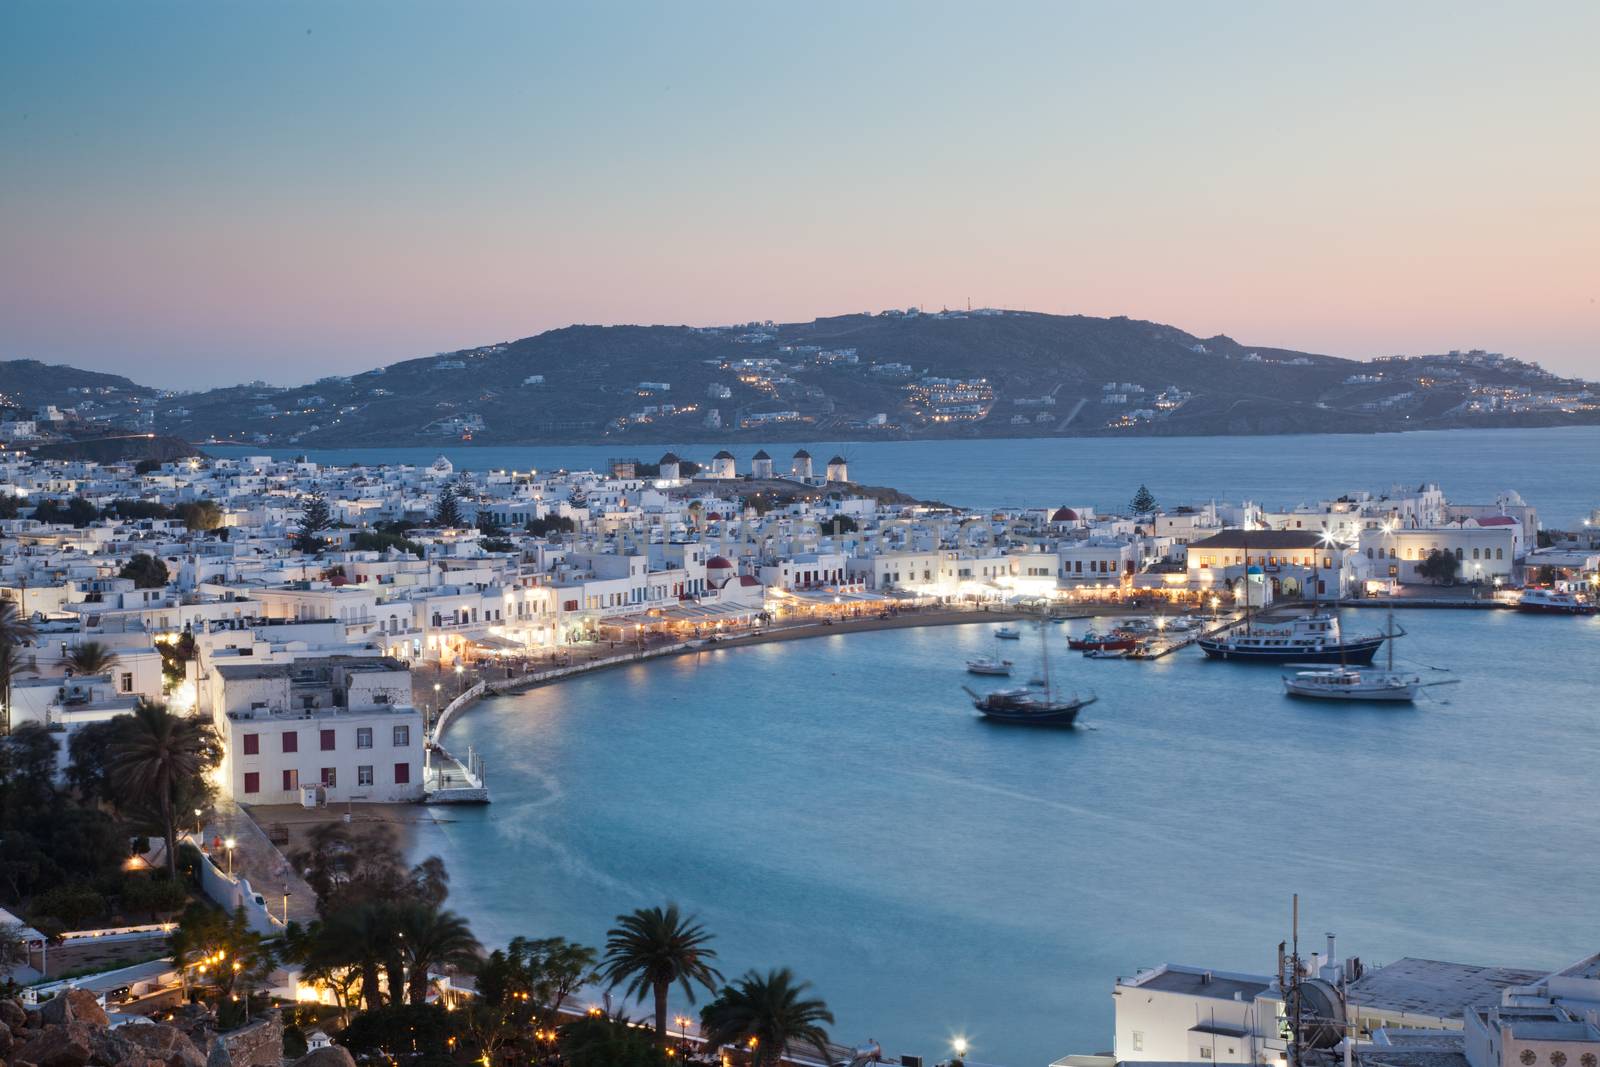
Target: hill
{"x":890,"y":375}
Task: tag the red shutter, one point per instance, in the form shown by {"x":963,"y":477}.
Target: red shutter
{"x":327,"y":740}
{"x":252,"y":780}
{"x":252,"y":744}
{"x":291,"y":742}
{"x":402,"y":773}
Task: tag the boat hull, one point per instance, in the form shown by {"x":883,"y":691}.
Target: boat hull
{"x":1123,"y":644}
{"x":1360,"y":651}
{"x":1556,"y":609}
{"x":1404,"y":694}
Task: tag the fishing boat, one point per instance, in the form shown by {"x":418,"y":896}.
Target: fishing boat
{"x":1114,"y":641}
{"x":1352,"y":683}
{"x":1030,"y":706}
{"x":1307,"y":639}
{"x":1555,"y":602}
{"x":1345,"y":682}
{"x":1008,"y":633}
{"x":988,"y":665}
{"x":1107,"y":653}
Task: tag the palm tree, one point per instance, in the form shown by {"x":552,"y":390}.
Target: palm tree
{"x":155,"y":754}
{"x":14,"y":629}
{"x":91,"y":657}
{"x":768,"y":1012}
{"x":360,"y":938}
{"x":651,"y":949}
{"x":431,"y":938}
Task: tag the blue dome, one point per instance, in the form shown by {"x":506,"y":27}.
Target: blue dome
{"x":1254,"y":568}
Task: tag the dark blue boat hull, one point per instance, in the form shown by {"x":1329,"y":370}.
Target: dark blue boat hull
{"x":1350,"y":652}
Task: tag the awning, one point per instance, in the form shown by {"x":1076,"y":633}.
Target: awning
{"x":495,"y":641}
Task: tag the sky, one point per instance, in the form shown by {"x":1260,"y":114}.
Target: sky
{"x":195,"y":194}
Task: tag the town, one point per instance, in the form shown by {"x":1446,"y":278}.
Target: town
{"x":325,"y":624}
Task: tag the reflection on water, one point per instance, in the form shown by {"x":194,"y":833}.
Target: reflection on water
{"x":835,"y":806}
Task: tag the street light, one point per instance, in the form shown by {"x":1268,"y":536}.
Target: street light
{"x":959,"y":1047}
{"x":229,"y":845}
{"x":461,"y":683}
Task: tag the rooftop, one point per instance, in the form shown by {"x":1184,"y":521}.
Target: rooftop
{"x":1437,"y":988}
{"x":1198,"y":983}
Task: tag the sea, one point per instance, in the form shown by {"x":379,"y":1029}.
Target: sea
{"x":834,"y":806}
{"x":1555,"y":469}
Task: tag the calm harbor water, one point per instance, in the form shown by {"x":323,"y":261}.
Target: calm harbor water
{"x":833,"y":805}
{"x":1556,"y":470}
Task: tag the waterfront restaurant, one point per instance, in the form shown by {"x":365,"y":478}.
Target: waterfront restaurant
{"x":679,"y":621}
{"x":1295,"y":563}
{"x":853,"y":601}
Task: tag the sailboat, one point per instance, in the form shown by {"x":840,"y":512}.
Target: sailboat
{"x":1030,"y":707}
{"x":1355,"y":683}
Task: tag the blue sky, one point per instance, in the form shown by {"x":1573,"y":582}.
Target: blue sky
{"x":200,"y":193}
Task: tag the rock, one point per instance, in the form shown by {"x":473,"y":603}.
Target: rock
{"x":5,"y":1040}
{"x":166,"y":1045}
{"x":109,"y":1046}
{"x":219,"y":1056}
{"x":12,"y":1015}
{"x":60,"y":1045}
{"x":73,"y":1005}
{"x":331,"y":1056}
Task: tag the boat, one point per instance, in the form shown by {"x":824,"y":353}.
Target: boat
{"x":1030,"y":706}
{"x":1352,"y":683}
{"x":1107,"y":653}
{"x":1312,"y":638}
{"x":1555,"y":602}
{"x":988,"y":665}
{"x":1008,"y":633}
{"x":1114,"y":641}
{"x":1182,"y":624}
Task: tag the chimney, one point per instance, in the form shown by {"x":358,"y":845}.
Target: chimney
{"x":1331,"y":955}
{"x":1205,"y":977}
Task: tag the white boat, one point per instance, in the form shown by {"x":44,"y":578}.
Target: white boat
{"x":988,"y":665}
{"x":1353,"y":683}
{"x":1356,"y":683}
{"x":1008,"y":633}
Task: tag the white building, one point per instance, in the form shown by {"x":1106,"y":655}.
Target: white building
{"x":344,"y":723}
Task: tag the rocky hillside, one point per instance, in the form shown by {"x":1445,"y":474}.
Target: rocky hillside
{"x":893,"y":375}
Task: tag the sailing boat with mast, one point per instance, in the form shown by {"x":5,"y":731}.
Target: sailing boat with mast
{"x":1031,"y":707}
{"x":1354,"y":683}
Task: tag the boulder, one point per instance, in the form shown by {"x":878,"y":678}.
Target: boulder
{"x":60,"y":1045}
{"x":73,"y":1005}
{"x":12,"y":1015}
{"x":5,"y":1040}
{"x":331,"y":1056}
{"x":167,"y":1045}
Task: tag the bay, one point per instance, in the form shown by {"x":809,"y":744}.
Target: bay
{"x":834,"y":806}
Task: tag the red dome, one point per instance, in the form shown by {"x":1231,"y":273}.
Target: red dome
{"x":718,"y":563}
{"x":1064,"y":515}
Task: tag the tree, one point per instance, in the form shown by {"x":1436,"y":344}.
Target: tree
{"x":545,"y":971}
{"x":157,"y":754}
{"x":772,"y":1011}
{"x":651,"y":949}
{"x":347,"y":866}
{"x":138,"y":509}
{"x":14,"y":628}
{"x":200,"y":514}
{"x":224,"y":953}
{"x":13,"y":949}
{"x":147,"y":466}
{"x":596,"y":1041}
{"x":840,"y":524}
{"x":91,"y":657}
{"x":147,"y":571}
{"x":411,"y":1030}
{"x":1439,"y":568}
{"x":358,"y":938}
{"x":431,"y":937}
{"x":315,"y":517}
{"x":76,"y":512}
{"x":1143,"y":502}
{"x":447,"y":509}
{"x":550,"y":524}
{"x":175,"y":655}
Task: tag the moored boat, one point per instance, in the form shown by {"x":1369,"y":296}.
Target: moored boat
{"x":1307,"y":639}
{"x":1352,"y":683}
{"x":1555,"y":602}
{"x":989,"y":665}
{"x":1008,"y":633}
{"x":1025,"y":707}
{"x":1115,"y":641}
